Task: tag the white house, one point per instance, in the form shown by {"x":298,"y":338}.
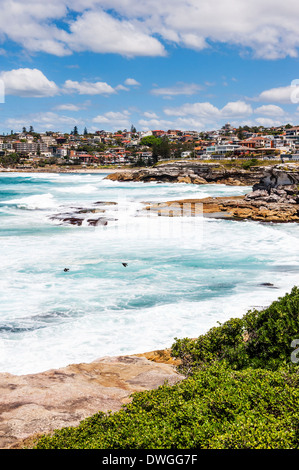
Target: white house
{"x":186,"y":154}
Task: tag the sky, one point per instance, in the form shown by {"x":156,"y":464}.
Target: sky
{"x":171,"y":64}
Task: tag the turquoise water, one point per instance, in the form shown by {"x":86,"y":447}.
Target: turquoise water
{"x":183,"y":275}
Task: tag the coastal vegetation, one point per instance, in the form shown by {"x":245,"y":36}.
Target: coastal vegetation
{"x":240,"y":392}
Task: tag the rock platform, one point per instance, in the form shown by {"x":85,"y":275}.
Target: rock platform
{"x":35,"y":404}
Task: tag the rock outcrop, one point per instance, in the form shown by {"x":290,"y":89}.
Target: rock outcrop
{"x":82,"y":215}
{"x":36,"y":404}
{"x":274,"y":198}
{"x":190,"y":172}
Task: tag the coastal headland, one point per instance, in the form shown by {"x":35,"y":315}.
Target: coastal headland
{"x":39,"y":403}
{"x":274,"y":196}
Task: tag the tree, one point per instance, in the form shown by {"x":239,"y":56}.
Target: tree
{"x":150,"y":141}
{"x":164,"y":148}
{"x":85,"y":131}
{"x":75,"y":131}
{"x":133,"y":129}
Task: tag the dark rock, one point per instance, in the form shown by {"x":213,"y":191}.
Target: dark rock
{"x":99,"y":221}
{"x":106,"y":203}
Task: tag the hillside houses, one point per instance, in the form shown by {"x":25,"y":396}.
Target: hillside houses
{"x":105,"y":147}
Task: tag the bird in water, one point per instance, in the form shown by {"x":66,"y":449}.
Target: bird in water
{"x":125,"y":264}
{"x":66,"y":269}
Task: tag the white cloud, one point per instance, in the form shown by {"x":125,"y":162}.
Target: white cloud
{"x":194,"y":109}
{"x":27,"y":82}
{"x":208,"y":110}
{"x":42,"y":121}
{"x":131,"y":82}
{"x":132,"y":27}
{"x":29,"y":24}
{"x":122,"y":87}
{"x":236,"y":108}
{"x":267,"y":27}
{"x":88,"y":88}
{"x":268,"y":122}
{"x":153,"y":124}
{"x":98,"y":31}
{"x":150,"y":115}
{"x":67,"y":107}
{"x":178,"y":89}
{"x":282,"y":94}
{"x":270,"y":110}
{"x":114,"y":119}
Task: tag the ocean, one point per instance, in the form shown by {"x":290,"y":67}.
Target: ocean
{"x":183,"y":275}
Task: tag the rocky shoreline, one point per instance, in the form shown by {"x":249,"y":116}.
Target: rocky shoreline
{"x":36,"y":404}
{"x":192,"y":173}
{"x":274,"y":196}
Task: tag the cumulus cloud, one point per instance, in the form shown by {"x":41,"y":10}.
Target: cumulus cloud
{"x":206,"y":109}
{"x":134,"y":28}
{"x":268,"y":122}
{"x":151,"y":124}
{"x":279,"y":95}
{"x":236,"y":108}
{"x":87,"y":88}
{"x":27,"y":82}
{"x":46,"y":120}
{"x":150,"y":115}
{"x":194,"y":109}
{"x":121,"y":87}
{"x":283,"y":94}
{"x":199,"y":115}
{"x":270,"y":110}
{"x":114,"y":119}
{"x":131,"y":82}
{"x":98,"y":31}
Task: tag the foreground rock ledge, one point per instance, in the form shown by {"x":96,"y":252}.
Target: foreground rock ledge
{"x":34,"y":404}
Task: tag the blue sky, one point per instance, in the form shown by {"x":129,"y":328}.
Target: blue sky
{"x":192,"y":65}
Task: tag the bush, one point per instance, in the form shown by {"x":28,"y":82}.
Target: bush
{"x":213,"y":409}
{"x":259,"y":339}
{"x":249,"y":163}
{"x":241,"y":392}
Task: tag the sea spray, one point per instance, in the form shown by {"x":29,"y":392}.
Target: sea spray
{"x":178,"y":282}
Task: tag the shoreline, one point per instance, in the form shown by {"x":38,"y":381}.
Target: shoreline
{"x":61,"y":397}
{"x":36,"y":404}
{"x":82,"y":170}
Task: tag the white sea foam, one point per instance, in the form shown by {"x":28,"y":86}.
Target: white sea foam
{"x":40,"y":201}
{"x":175,"y":285}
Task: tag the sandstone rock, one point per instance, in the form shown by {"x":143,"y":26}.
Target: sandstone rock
{"x":199,"y":172}
{"x":184,"y":179}
{"x":40,"y":403}
{"x":199,"y":180}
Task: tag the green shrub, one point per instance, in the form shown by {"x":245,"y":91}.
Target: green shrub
{"x":249,"y":163}
{"x":212,"y":409}
{"x":259,"y":339}
{"x":241,"y":392}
